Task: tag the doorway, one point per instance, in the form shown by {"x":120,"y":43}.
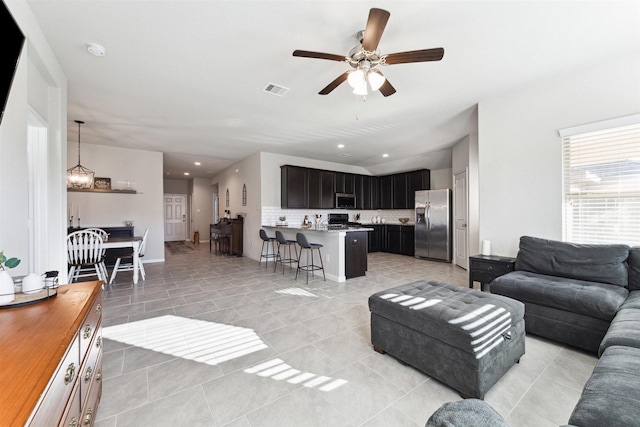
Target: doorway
{"x":37,"y":154}
{"x":175,"y":217}
{"x":460,"y":213}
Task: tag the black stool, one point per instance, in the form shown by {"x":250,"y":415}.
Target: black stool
{"x":266,"y":242}
{"x":287,"y":245}
{"x":310,"y":247}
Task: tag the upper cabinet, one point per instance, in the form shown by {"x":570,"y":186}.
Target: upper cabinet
{"x":315,"y":188}
{"x":294,"y":185}
{"x":321,"y":189}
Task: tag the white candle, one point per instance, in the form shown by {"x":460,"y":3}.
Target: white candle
{"x":69,"y":212}
{"x":78,"y":211}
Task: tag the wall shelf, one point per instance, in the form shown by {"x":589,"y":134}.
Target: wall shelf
{"x":94,"y":190}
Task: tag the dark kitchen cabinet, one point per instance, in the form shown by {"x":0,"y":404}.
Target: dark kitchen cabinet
{"x":360,"y":192}
{"x":386,"y":192}
{"x":400,"y":197}
{"x":345,"y":183}
{"x":355,"y":254}
{"x":375,"y":239}
{"x":417,"y":180}
{"x":320,"y":187}
{"x":407,"y":240}
{"x":294,"y":187}
{"x":367,"y":192}
{"x":393,"y":239}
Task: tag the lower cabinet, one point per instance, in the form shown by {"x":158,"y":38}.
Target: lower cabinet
{"x":52,"y":354}
{"x":355,"y":254}
{"x":392,"y":238}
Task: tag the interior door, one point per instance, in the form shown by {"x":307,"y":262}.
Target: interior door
{"x":460,"y":221}
{"x":175,"y":219}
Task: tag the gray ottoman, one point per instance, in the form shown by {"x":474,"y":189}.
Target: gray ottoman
{"x":464,"y":338}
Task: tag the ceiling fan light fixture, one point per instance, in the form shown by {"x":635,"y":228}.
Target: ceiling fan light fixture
{"x":376,"y":79}
{"x":356,"y":79}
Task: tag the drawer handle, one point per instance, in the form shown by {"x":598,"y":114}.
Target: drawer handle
{"x":87,"y":332}
{"x":73,"y":422}
{"x":88,"y":375}
{"x":70,"y":374}
{"x":99,"y":342}
{"x":88,"y":417}
{"x":98,"y":308}
{"x":99,"y":375}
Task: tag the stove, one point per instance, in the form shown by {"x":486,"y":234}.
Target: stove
{"x":340,"y":221}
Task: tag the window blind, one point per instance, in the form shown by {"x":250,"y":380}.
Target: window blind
{"x":601,"y":185}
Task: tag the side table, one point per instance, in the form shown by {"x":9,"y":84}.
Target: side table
{"x":485,"y":268}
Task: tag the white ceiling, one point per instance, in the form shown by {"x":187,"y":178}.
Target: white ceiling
{"x":186,"y":77}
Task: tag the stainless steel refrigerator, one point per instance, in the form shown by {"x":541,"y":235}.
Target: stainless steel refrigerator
{"x":433,"y":224}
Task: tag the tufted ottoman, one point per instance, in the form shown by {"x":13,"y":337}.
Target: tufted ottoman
{"x":464,"y":338}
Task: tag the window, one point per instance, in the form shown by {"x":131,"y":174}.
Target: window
{"x":601,"y":182}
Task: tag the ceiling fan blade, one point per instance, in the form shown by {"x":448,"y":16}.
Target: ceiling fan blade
{"x":423,"y":55}
{"x":318,"y":55}
{"x":334,"y":84}
{"x":386,"y":89}
{"x":373,"y":31}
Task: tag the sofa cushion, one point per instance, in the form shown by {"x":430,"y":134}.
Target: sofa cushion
{"x":594,"y":263}
{"x":592,"y":299}
{"x":611,"y":396}
{"x":634,"y":268}
{"x":624,"y":330}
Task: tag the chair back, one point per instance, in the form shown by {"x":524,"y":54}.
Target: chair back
{"x":302,"y":240}
{"x":143,"y":245}
{"x":84,"y":247}
{"x":100,"y":231}
{"x":280,"y":238}
{"x":263,"y":235}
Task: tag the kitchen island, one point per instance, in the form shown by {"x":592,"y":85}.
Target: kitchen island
{"x":336,"y":253}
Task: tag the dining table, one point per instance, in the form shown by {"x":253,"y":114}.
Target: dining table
{"x":133,"y":242}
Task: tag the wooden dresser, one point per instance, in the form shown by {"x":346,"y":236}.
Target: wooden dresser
{"x":231,"y":230}
{"x":51,"y":359}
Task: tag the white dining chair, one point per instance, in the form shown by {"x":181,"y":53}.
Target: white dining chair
{"x":105,"y":237}
{"x":125,"y":262}
{"x":85,"y":255}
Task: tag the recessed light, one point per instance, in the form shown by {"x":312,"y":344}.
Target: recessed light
{"x":96,"y":50}
{"x":186,"y":173}
{"x":340,"y":145}
{"x":385,"y":155}
{"x":197,"y":163}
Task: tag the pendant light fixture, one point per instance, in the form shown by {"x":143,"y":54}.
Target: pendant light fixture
{"x":79,"y":176}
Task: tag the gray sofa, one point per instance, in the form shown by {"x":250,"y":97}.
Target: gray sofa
{"x":587,"y":296}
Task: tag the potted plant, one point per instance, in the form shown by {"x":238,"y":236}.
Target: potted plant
{"x":283,"y":220}
{"x":7,"y":288}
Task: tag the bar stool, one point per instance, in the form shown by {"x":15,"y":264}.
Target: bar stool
{"x":266,"y":242}
{"x":309,"y":247}
{"x":287,"y":245}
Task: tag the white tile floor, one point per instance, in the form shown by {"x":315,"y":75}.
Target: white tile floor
{"x":220,"y":341}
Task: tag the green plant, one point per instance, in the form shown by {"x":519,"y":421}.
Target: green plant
{"x":283,"y":218}
{"x":7,"y":262}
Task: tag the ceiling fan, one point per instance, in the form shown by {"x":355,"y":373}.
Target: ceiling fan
{"x":366,"y":56}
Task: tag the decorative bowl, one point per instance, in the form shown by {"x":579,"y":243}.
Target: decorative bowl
{"x":403,"y":220}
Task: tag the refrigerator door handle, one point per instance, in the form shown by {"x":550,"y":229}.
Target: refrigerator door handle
{"x":428,"y":215}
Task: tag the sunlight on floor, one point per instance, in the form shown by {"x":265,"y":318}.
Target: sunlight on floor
{"x":296,"y":291}
{"x":278,"y":370}
{"x":191,"y":339}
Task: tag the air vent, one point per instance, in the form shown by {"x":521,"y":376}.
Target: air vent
{"x":275,"y":89}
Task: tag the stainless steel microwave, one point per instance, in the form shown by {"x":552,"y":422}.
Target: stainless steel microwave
{"x":345,"y":201}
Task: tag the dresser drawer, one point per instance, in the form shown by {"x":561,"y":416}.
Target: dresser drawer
{"x":90,"y":324}
{"x":91,"y":368}
{"x":90,"y":407}
{"x":71,"y":417}
{"x":60,"y":387}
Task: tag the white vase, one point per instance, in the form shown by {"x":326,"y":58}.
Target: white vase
{"x":7,"y":288}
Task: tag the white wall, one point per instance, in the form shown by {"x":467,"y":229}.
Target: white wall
{"x":441,"y":179}
{"x":202,"y":207}
{"x":520,"y":173}
{"x":41,"y":85}
{"x":144,"y":170}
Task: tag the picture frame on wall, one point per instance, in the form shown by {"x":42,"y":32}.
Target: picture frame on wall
{"x":102,"y":183}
